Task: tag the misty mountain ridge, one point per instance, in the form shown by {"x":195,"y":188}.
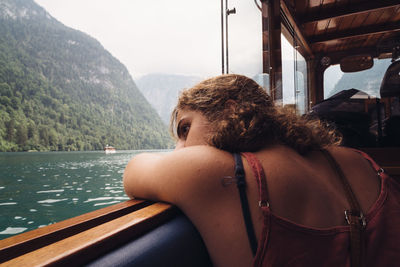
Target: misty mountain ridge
{"x":162,"y":90}
{"x":61,"y":90}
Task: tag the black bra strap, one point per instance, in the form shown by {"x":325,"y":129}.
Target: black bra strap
{"x":241,"y":185}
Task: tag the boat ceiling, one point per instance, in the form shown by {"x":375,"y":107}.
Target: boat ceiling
{"x":346,"y":26}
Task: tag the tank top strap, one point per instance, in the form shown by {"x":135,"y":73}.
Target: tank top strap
{"x":354,"y":204}
{"x":354,"y":217}
{"x":261,"y":179}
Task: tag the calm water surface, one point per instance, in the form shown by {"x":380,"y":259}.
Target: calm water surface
{"x":38,"y":189}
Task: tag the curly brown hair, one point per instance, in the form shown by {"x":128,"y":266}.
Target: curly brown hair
{"x":243,"y":117}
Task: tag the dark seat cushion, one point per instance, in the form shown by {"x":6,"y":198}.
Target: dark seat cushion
{"x":175,"y":243}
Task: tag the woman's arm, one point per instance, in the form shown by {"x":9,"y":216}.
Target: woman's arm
{"x":175,"y":177}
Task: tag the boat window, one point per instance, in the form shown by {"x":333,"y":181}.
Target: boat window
{"x":245,"y":41}
{"x":367,"y":81}
{"x":294,"y":76}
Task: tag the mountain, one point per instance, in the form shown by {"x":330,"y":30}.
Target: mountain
{"x":61,"y":90}
{"x":162,"y":90}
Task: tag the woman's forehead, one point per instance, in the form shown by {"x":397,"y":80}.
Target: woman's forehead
{"x":187,"y":114}
{"x":182,"y":113}
{"x":185,"y":110}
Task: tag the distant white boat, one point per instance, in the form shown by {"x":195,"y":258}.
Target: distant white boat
{"x":109,"y":149}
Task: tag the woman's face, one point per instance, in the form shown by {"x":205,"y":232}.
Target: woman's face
{"x":192,"y":128}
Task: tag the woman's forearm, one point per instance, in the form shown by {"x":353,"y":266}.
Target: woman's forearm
{"x":137,"y":176}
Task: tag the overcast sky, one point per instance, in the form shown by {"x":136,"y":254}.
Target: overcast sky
{"x":175,"y":36}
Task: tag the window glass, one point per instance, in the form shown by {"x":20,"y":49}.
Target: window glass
{"x":301,"y":83}
{"x":368,"y":81}
{"x":245,"y":41}
{"x":294,"y":77}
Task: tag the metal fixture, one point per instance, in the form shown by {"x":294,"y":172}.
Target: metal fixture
{"x":224,"y":40}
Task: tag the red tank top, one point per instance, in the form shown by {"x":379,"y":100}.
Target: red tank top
{"x":285,"y":243}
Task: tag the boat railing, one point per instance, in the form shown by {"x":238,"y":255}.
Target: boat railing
{"x":81,"y":233}
{"x":133,"y":232}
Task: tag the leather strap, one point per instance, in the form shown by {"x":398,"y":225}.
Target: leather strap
{"x":354,"y":216}
{"x":241,"y":185}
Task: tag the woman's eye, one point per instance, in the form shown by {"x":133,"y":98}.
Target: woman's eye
{"x":183,"y":131}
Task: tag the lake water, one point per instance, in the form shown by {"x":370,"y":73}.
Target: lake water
{"x":41,"y":188}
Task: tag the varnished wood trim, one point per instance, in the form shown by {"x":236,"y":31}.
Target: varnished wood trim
{"x":29,"y":241}
{"x":355,"y":9}
{"x":297,"y":30}
{"x":274,"y":45}
{"x":87,"y":245}
{"x":356,"y":32}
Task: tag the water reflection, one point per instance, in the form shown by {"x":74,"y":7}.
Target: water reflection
{"x":38,"y":189}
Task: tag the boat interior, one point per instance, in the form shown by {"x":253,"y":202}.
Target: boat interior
{"x":142,"y":233}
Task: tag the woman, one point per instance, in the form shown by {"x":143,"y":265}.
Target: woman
{"x":289,"y":210}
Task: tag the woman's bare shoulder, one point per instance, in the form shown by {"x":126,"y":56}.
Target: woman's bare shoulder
{"x":348,"y":156}
{"x":200,"y":158}
{"x":167,"y":177}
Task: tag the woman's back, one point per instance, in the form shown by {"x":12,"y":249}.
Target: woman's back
{"x":305,"y":223}
{"x":308,"y":191}
{"x":301,"y":191}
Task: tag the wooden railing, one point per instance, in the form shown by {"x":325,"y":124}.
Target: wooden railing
{"x":80,"y":239}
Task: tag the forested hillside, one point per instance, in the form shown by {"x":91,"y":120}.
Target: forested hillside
{"x":61,"y":90}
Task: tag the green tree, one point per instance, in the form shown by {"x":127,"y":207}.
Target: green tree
{"x":21,"y":134}
{"x":53,"y":138}
{"x":10,"y":129}
{"x":5,"y":90}
{"x":44,"y":135}
{"x":31,"y":131}
{"x":28,"y":110}
{"x":5,"y":100}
